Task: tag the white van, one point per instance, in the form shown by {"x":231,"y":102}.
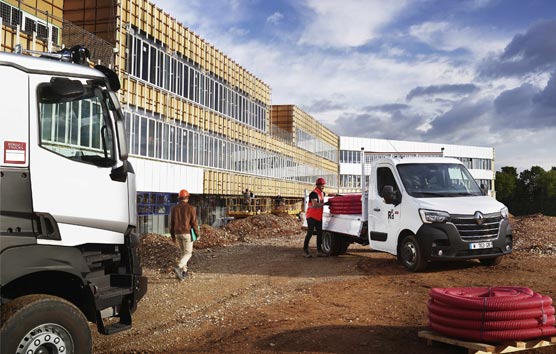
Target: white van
{"x":420,"y":209}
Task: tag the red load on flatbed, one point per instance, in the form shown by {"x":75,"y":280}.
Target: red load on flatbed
{"x":345,"y":204}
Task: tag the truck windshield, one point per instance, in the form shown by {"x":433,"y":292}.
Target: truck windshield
{"x":78,"y":128}
{"x":437,"y":180}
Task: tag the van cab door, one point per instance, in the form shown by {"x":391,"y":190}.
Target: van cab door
{"x":384,"y":217}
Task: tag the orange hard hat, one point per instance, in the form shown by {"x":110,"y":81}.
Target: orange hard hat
{"x":320,"y":181}
{"x":183,"y":194}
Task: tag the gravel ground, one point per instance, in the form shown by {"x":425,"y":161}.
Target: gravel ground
{"x":253,"y":292}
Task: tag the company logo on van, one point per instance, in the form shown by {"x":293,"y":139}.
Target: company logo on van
{"x":479,"y":218}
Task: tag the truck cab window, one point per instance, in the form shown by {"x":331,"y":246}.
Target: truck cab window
{"x":79,"y":128}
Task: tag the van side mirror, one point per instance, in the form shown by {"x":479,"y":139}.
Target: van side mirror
{"x":483,"y":189}
{"x":390,"y":196}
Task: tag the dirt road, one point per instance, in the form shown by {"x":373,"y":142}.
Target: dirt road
{"x":264,"y":297}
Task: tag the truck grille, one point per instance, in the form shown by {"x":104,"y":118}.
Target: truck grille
{"x":470,"y":231}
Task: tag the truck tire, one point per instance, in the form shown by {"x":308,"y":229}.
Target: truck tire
{"x":491,"y":262}
{"x":411,"y":255}
{"x":331,"y":243}
{"x":43,"y":324}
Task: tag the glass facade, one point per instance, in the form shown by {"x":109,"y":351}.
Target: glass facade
{"x":315,"y":145}
{"x":150,"y":61}
{"x":180,"y":143}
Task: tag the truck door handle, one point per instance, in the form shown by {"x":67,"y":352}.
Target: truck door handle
{"x":376,"y":209}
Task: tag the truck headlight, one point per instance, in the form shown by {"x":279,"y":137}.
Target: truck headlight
{"x":430,"y":216}
{"x":504,"y":212}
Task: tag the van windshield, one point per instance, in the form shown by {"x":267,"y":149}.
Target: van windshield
{"x":437,"y":180}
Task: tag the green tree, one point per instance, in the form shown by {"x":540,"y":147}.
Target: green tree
{"x":529,"y":196}
{"x":506,"y":182}
{"x":547,"y":186}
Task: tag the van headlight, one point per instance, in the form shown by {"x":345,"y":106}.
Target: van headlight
{"x":504,"y":212}
{"x":430,"y":216}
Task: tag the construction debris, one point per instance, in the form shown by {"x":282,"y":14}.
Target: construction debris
{"x":535,"y":234}
{"x":158,"y":252}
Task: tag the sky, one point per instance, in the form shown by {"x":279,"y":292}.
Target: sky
{"x":468,"y":72}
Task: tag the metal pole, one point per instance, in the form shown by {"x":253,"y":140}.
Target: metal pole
{"x":364,"y":189}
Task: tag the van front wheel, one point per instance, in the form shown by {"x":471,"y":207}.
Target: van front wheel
{"x":411,"y":255}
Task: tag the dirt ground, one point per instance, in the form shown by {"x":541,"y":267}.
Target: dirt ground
{"x":259,"y":295}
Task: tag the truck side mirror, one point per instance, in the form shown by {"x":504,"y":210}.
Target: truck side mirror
{"x":390,"y":196}
{"x":483,"y":189}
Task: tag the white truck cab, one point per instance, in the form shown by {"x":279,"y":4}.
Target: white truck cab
{"x":68,"y":205}
{"x":421,"y":209}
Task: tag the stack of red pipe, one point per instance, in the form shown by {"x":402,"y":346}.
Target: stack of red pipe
{"x":493,"y":315}
{"x":345,"y":204}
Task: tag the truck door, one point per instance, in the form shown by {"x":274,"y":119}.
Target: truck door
{"x":385,"y":219}
{"x":73,"y":151}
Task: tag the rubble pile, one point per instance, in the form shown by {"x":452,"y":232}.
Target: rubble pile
{"x":159,"y":253}
{"x":535,"y":234}
{"x":263,"y":226}
{"x":212,"y":237}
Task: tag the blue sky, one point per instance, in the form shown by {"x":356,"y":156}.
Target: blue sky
{"x":470,"y":72}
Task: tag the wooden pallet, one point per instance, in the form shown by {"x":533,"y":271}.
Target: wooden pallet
{"x":483,"y":348}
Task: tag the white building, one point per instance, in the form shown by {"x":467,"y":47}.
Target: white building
{"x":478,"y":160}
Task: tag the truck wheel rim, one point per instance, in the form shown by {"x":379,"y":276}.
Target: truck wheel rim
{"x":47,"y":338}
{"x":409,"y":253}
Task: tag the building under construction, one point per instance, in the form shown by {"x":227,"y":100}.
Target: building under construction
{"x":196,"y":119}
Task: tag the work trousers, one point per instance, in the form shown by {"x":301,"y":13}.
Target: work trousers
{"x":186,"y":248}
{"x":313,"y":224}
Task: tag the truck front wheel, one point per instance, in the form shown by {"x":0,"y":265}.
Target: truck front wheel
{"x":43,"y":324}
{"x":411,"y":255}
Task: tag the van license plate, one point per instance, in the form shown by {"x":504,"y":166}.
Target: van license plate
{"x":480,"y":245}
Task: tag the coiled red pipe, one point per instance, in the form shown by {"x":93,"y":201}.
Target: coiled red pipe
{"x":491,"y":314}
{"x":345,"y":204}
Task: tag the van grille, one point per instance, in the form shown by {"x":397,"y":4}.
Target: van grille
{"x":470,"y":231}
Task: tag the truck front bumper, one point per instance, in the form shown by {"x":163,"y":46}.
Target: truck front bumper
{"x":442,"y":241}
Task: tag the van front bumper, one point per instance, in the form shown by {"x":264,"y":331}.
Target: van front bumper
{"x":442,"y":241}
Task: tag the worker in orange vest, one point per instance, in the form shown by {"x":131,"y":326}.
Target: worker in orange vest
{"x":314,"y":218}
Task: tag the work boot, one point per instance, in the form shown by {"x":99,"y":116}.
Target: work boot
{"x":321,"y":254}
{"x":179,"y":273}
{"x":306,"y":254}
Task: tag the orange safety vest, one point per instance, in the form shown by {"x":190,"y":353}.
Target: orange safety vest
{"x":315,"y":213}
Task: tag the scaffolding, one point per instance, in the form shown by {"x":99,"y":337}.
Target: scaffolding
{"x":237,"y":208}
{"x":40,"y":30}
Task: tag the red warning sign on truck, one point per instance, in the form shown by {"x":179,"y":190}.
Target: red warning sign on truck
{"x":15,"y":152}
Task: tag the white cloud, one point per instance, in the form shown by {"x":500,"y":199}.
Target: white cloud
{"x":524,"y":149}
{"x":447,"y":36}
{"x":348,"y":23}
{"x":275,"y":18}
